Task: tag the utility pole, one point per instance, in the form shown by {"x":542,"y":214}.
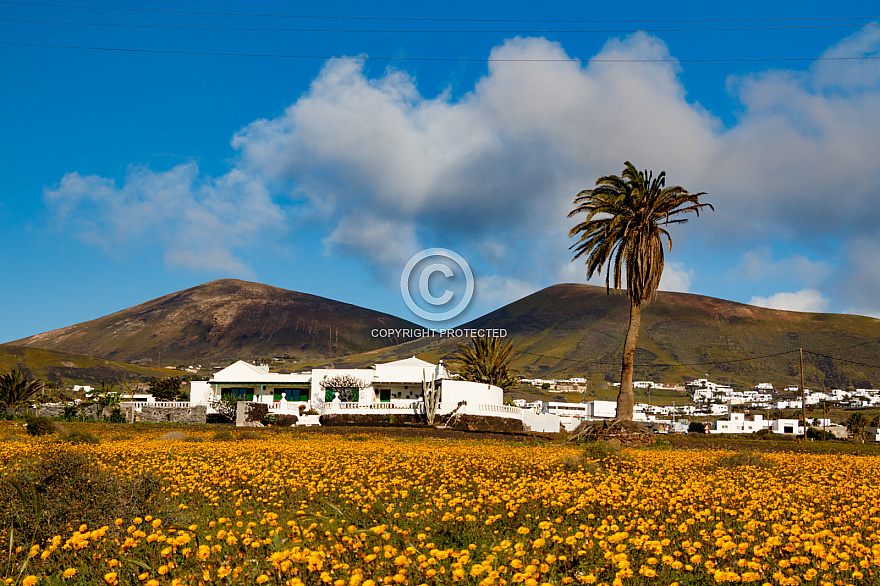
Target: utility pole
{"x":803,"y":394}
{"x":824,"y":417}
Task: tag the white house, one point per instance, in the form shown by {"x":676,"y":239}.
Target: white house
{"x":787,"y":426}
{"x":576,"y":410}
{"x":390,"y":388}
{"x":740,"y":423}
{"x":243,"y":380}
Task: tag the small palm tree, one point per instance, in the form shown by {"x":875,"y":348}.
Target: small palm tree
{"x":15,"y":390}
{"x":487,"y":360}
{"x":623,"y":227}
{"x":855,"y":425}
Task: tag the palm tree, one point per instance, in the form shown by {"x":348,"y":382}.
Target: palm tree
{"x":487,"y":361}
{"x":15,"y":390}
{"x":855,"y":425}
{"x":623,"y":227}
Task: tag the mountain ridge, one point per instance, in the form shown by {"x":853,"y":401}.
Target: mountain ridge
{"x":567,"y":329}
{"x":578,"y":330}
{"x":223,"y":319}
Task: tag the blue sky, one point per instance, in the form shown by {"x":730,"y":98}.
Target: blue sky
{"x":160,"y":164}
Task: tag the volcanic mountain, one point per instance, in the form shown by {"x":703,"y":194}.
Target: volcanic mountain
{"x":578,"y":330}
{"x":222,"y":321}
{"x":561,"y":331}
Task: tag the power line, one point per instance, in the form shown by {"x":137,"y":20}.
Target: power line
{"x":646,"y":365}
{"x":443,"y":31}
{"x":708,"y":363}
{"x":454,"y":59}
{"x":843,"y":359}
{"x":427,"y":19}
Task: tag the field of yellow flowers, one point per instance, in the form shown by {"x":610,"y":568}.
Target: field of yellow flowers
{"x":365,"y":509}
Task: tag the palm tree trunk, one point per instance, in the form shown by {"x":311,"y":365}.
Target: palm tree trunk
{"x":626,"y":398}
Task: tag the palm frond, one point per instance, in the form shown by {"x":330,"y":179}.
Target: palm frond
{"x":621,"y":232}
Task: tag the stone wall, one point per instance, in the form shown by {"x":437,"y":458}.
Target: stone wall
{"x":482,"y":423}
{"x":456,"y":421}
{"x":145,"y":413}
{"x":56,"y":411}
{"x":374,"y":420}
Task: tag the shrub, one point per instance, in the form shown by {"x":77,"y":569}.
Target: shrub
{"x":39,"y":425}
{"x":116,"y":416}
{"x":600,"y":450}
{"x":248,"y":435}
{"x":223,"y":435}
{"x":69,"y":413}
{"x":601,"y":454}
{"x":740,"y":459}
{"x":78,"y":437}
{"x":696,"y":427}
{"x":226,"y":409}
{"x":55,"y":495}
{"x":173,"y":436}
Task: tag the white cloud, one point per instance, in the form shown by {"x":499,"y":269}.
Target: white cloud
{"x":808,"y":300}
{"x":676,"y":278}
{"x":506,"y":157}
{"x":497,"y":291}
{"x":381,"y":242}
{"x":387,"y":171}
{"x":759,"y":264}
{"x":199,"y":221}
{"x":857,"y":284}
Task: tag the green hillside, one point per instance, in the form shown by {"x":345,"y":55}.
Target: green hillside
{"x":577,"y":330}
{"x":66,"y":368}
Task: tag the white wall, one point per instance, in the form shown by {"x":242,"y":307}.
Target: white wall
{"x":544,"y":423}
{"x":603,"y":409}
{"x":200,"y":392}
{"x":455,"y":391}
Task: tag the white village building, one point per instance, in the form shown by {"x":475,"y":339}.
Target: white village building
{"x":384,"y":389}
{"x":740,"y":423}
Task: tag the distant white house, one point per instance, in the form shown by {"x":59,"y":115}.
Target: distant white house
{"x":740,"y":423}
{"x":787,"y":426}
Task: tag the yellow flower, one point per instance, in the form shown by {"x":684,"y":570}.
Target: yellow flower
{"x":30,"y":581}
{"x":69,"y":573}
